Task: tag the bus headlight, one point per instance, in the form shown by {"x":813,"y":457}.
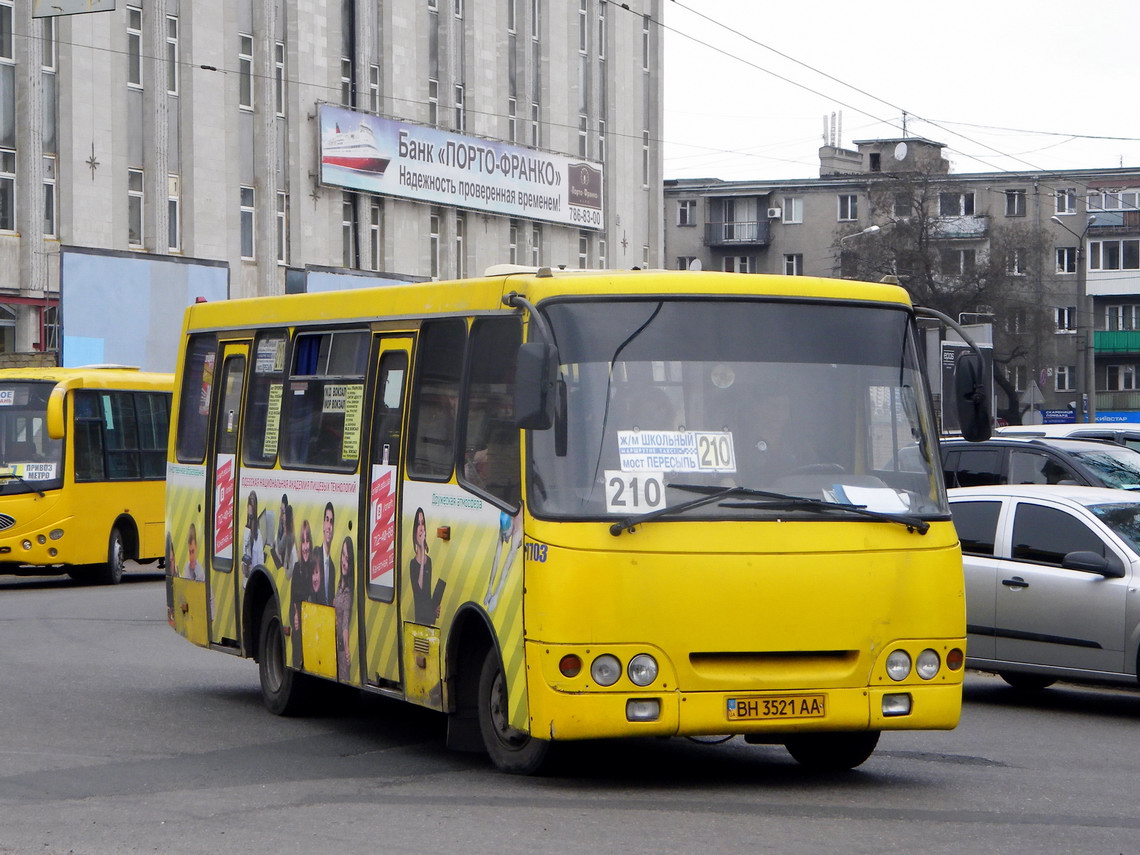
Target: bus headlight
{"x":606,"y":670}
{"x":898,"y":665}
{"x":926,"y":666}
{"x":642,"y":669}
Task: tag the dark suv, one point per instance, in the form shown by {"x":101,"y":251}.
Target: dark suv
{"x":1039,"y":460}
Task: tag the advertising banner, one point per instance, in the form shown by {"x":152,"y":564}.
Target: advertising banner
{"x":360,"y":151}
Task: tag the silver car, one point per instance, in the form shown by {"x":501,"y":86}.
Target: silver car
{"x":1051,"y":582}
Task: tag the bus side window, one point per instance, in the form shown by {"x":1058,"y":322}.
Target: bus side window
{"x":389,"y":409}
{"x":439,"y":366}
{"x":88,"y":438}
{"x":263,"y":403}
{"x":153,"y":410}
{"x":194,"y":406}
{"x":491,"y":438}
{"x":120,"y":435}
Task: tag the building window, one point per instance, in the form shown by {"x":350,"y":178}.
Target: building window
{"x":1066,"y":259}
{"x":433,"y":102}
{"x":687,"y":212}
{"x":433,"y":242}
{"x":876,"y":162}
{"x":1114,"y":254}
{"x":7,"y":190}
{"x":283,"y":246}
{"x":793,"y":264}
{"x":460,"y":248}
{"x":957,"y":262}
{"x":1114,"y":201}
{"x":374,"y":88}
{"x":49,"y":197}
{"x":1066,"y":201}
{"x":513,"y":242}
{"x":536,"y":244}
{"x":1064,"y":377}
{"x":645,"y":43}
{"x":279,"y":78}
{"x":1065,"y":319}
{"x":955,"y":204}
{"x":583,"y":28}
{"x":1120,"y":378}
{"x":346,"y":81}
{"x":740,"y":264}
{"x":247,"y":244}
{"x":173,"y":213}
{"x":602,"y":28}
{"x":1015,"y":321}
{"x":583,"y":244}
{"x":512,"y":120}
{"x":645,"y":158}
{"x":171,"y":55}
{"x":348,"y":229}
{"x":848,"y":207}
{"x":1121,"y":317}
{"x":245,"y":72}
{"x":534,"y":114}
{"x":534,"y":20}
{"x":512,"y":17}
{"x":583,"y":136}
{"x":1015,"y":203}
{"x":134,"y":47}
{"x":601,"y":254}
{"x":7,"y":46}
{"x":135,"y":207}
{"x":602,"y":140}
{"x":460,"y":109}
{"x":376,"y":232}
{"x":683,"y":261}
{"x":792,"y":209}
{"x":1015,"y":262}
{"x":1019,"y":377}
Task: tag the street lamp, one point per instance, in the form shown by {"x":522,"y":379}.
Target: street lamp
{"x":1086,"y":369}
{"x":870,"y":230}
{"x":837,"y":249}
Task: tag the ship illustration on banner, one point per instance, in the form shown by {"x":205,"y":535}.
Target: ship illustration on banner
{"x":356,"y":150}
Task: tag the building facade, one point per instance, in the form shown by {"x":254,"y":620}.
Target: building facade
{"x":192,"y":129}
{"x":1050,"y":259}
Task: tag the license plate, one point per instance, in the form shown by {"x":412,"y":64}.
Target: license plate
{"x":778,"y":706}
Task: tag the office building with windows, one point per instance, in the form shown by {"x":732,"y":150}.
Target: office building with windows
{"x":401,"y":138}
{"x":1051,"y":260}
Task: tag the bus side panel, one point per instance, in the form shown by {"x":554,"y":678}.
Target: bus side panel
{"x":475,"y":558}
{"x":185,"y":577}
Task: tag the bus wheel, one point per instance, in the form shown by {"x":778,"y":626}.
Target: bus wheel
{"x":510,"y":750}
{"x":1026,"y":682}
{"x":832,"y":752}
{"x":111,"y":573}
{"x":283,"y":690}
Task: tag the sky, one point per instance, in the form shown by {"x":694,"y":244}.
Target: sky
{"x":1007,"y":85}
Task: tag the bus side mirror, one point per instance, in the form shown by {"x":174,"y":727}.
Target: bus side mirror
{"x":971,"y":397}
{"x":55,"y":424}
{"x":535,"y":382}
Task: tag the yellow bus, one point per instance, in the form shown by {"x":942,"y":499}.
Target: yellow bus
{"x":82,"y":470}
{"x":562,"y":505}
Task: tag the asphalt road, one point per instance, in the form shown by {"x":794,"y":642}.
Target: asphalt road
{"x":120,"y":737}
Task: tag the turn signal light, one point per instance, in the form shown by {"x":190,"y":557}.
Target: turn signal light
{"x":570,"y":665}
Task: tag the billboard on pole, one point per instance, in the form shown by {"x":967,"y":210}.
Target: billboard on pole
{"x":360,"y":151}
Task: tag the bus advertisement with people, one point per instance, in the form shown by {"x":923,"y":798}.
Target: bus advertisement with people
{"x":563,"y":505}
{"x":82,"y":470}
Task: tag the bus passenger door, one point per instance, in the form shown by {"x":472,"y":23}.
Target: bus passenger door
{"x":379,"y":587}
{"x":223,"y":583}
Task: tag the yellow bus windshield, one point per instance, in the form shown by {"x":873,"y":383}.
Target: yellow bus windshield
{"x":661,"y":398}
{"x":30,"y":461}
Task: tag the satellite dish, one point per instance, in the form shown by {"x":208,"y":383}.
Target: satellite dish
{"x":900,"y":151}
{"x":695,"y":264}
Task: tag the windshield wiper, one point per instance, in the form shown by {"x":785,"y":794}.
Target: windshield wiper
{"x":14,"y":477}
{"x":716,"y":494}
{"x":784,"y":501}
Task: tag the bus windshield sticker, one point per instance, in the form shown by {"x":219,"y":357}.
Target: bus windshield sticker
{"x":353,"y":407}
{"x":634,"y":493}
{"x":36,"y":471}
{"x":334,"y":398}
{"x":676,"y":451}
{"x":270,"y":356}
{"x":7,"y":397}
{"x":272,"y":420}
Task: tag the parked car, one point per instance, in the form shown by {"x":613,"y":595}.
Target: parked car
{"x":1051,"y":577}
{"x":1121,"y":433}
{"x":1040,"y":460}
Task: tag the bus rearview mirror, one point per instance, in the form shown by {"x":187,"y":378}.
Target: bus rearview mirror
{"x":971,"y":394}
{"x":535,"y":381}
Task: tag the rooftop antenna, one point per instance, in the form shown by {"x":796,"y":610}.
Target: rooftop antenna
{"x":904,"y":123}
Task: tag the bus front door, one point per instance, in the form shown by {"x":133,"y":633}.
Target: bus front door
{"x":223,"y":579}
{"x":379,"y":612}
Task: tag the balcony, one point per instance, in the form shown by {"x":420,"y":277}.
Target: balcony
{"x":1116,"y":401}
{"x":737,"y":234}
{"x":960,"y":228}
{"x":1114,"y":223}
{"x":1117,"y":342}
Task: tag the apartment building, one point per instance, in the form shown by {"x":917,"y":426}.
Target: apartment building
{"x":223,"y":131}
{"x":1050,"y":259}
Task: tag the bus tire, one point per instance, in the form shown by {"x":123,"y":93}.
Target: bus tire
{"x":1026,"y":682}
{"x":284,"y":691}
{"x":832,"y":752}
{"x":510,"y":750}
{"x":111,"y":573}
